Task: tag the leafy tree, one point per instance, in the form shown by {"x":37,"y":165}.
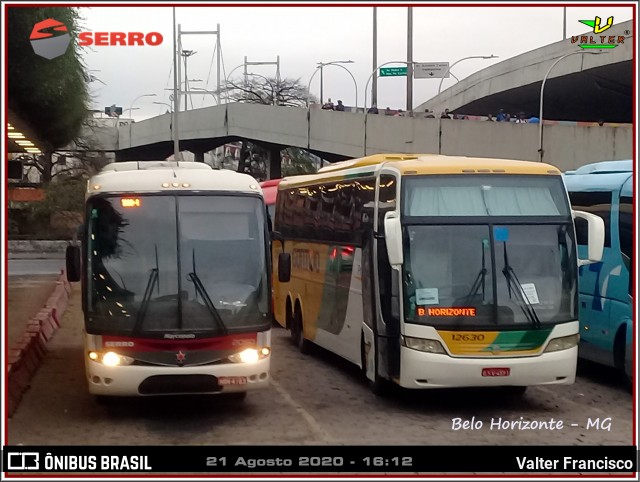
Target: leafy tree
{"x":82,"y":160}
{"x":298,"y":161}
{"x":50,"y":95}
{"x":270,"y":91}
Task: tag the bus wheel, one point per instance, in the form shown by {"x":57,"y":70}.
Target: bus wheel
{"x":297,"y":333}
{"x":619,"y":353}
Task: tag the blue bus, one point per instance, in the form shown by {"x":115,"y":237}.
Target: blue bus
{"x":606,"y":288}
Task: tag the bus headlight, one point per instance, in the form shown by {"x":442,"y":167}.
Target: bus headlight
{"x":250,"y":355}
{"x":110,"y":359}
{"x":562,"y":343}
{"x":422,"y":344}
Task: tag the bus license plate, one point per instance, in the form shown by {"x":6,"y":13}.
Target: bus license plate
{"x":496,"y":372}
{"x":232,"y":380}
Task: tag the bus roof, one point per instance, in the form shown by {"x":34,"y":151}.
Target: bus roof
{"x":159,"y":176}
{"x":270,"y":190}
{"x":604,"y":167}
{"x":412,"y":164}
{"x":612,"y":181}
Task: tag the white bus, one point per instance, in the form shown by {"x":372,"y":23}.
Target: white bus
{"x":175,"y":281}
{"x":433,"y":271}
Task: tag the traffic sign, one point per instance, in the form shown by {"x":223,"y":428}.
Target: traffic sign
{"x":393,"y":71}
{"x":431,"y":70}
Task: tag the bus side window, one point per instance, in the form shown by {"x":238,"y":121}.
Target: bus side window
{"x":594,"y":202}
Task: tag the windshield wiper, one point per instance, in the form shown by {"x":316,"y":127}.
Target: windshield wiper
{"x":479,"y":281}
{"x":205,"y":296}
{"x":154,"y":278}
{"x":521,"y":297}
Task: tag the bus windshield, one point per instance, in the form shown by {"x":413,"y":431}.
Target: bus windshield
{"x":510,"y":263}
{"x":161,"y":264}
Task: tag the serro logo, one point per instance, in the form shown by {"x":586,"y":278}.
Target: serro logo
{"x":50,"y":38}
{"x":128,"y":39}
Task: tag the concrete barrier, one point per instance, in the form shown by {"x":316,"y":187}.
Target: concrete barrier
{"x":26,"y":355}
{"x":37,"y":246}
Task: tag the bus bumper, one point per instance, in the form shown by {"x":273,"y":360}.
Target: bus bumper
{"x":427,"y":370}
{"x":145,"y":380}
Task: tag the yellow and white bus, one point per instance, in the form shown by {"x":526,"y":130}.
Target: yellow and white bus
{"x":175,"y":281}
{"x":432,"y":271}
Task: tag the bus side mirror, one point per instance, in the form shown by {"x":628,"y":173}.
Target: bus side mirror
{"x":73,"y":263}
{"x":393,"y":237}
{"x":284,"y":267}
{"x":596,"y":237}
{"x":275,"y":236}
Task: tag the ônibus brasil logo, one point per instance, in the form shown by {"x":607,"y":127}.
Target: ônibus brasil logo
{"x":601,"y":41}
{"x":50,"y":38}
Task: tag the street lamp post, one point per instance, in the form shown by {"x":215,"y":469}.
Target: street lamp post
{"x":321,"y":67}
{"x":373,"y":73}
{"x":164,"y":103}
{"x":544,"y":80}
{"x":364,"y":107}
{"x":458,"y":61}
{"x":486,"y":57}
{"x":131,"y":109}
{"x":171,"y":111}
{"x":140,"y":97}
{"x":205,"y":91}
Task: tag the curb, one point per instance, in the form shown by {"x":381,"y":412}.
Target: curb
{"x":27,"y":353}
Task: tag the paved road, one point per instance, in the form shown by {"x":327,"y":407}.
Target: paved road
{"x":314,"y":399}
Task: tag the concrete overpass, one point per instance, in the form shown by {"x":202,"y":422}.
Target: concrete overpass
{"x":579,"y":88}
{"x":340,"y":135}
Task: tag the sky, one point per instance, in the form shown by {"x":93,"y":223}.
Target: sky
{"x":302,"y":36}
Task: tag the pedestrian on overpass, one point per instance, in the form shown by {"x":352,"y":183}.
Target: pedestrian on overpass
{"x":340,"y":106}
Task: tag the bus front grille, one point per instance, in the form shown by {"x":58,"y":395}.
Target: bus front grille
{"x":172,"y":384}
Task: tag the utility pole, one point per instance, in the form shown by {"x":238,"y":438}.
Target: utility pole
{"x":218,"y":53}
{"x":186,"y":54}
{"x":410,"y":59}
{"x":374,"y":85}
{"x":276,"y":63}
{"x":176,"y":100}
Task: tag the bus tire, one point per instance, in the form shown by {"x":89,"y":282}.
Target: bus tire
{"x":619,"y":351}
{"x":297,"y":333}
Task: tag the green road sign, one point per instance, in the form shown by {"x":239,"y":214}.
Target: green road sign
{"x":393,"y":71}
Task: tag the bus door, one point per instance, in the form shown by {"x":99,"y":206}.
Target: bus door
{"x":596,"y":279}
{"x":387,"y":318}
